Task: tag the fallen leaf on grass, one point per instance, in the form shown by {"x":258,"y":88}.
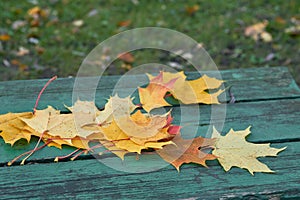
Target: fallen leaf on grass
{"x":190,"y":10}
{"x":21,"y":66}
{"x":4,"y":37}
{"x":257,"y":32}
{"x":22,"y":51}
{"x":294,"y":30}
{"x":124,"y":23}
{"x":126,"y":57}
{"x":18,"y":24}
{"x":37,"y":12}
{"x":78,"y":23}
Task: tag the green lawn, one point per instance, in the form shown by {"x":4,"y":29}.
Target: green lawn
{"x":219,"y":25}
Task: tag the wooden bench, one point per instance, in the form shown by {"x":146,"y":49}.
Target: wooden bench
{"x":266,"y":98}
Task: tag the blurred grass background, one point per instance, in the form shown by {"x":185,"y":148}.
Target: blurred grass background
{"x":40,"y":39}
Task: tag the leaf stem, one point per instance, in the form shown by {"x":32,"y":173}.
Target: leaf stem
{"x":32,"y":151}
{"x":25,"y":153}
{"x":66,"y":156}
{"x":86,"y":150}
{"x":41,"y":92}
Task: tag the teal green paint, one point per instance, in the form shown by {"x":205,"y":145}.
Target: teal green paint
{"x":268,"y":99}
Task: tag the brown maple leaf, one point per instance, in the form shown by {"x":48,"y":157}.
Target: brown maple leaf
{"x":187,"y":151}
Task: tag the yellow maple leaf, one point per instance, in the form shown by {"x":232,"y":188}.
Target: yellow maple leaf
{"x":144,"y":120}
{"x":158,"y":145}
{"x":11,"y":127}
{"x":193,"y":91}
{"x":50,"y":121}
{"x":84,"y":114}
{"x":112,"y":148}
{"x":140,"y":118}
{"x":115,"y":107}
{"x":56,"y":141}
{"x":129,"y":146}
{"x":87,"y":107}
{"x":99,"y":136}
{"x":233,"y":150}
{"x":138,"y":129}
{"x":81,"y":143}
{"x":114,"y":134}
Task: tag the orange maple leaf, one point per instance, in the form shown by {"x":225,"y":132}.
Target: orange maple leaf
{"x":187,"y":151}
{"x":193,"y":91}
{"x":153,"y":95}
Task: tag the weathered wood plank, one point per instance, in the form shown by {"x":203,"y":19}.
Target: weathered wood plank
{"x":91,"y":179}
{"x":271,"y":121}
{"x":247,"y":85}
{"x":268,"y":99}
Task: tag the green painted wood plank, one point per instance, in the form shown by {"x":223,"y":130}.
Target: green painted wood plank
{"x":272,"y":121}
{"x":247,"y":85}
{"x":92,"y":179}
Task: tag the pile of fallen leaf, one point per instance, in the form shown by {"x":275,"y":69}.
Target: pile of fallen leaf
{"x":123,"y":127}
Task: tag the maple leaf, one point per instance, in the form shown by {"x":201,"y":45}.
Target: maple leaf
{"x":50,"y":121}
{"x":108,"y":144}
{"x":53,"y":128}
{"x":11,"y":127}
{"x":187,"y":151}
{"x":113,"y":133}
{"x":84,"y":113}
{"x":153,"y":95}
{"x":88,"y":107}
{"x":55,"y":140}
{"x":233,"y":150}
{"x":162,"y":127}
{"x":137,"y":128}
{"x":112,"y":148}
{"x":189,"y":92}
{"x":115,"y":107}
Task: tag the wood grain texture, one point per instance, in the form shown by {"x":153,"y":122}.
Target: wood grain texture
{"x":92,"y":179}
{"x":247,"y":85}
{"x":267,"y":98}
